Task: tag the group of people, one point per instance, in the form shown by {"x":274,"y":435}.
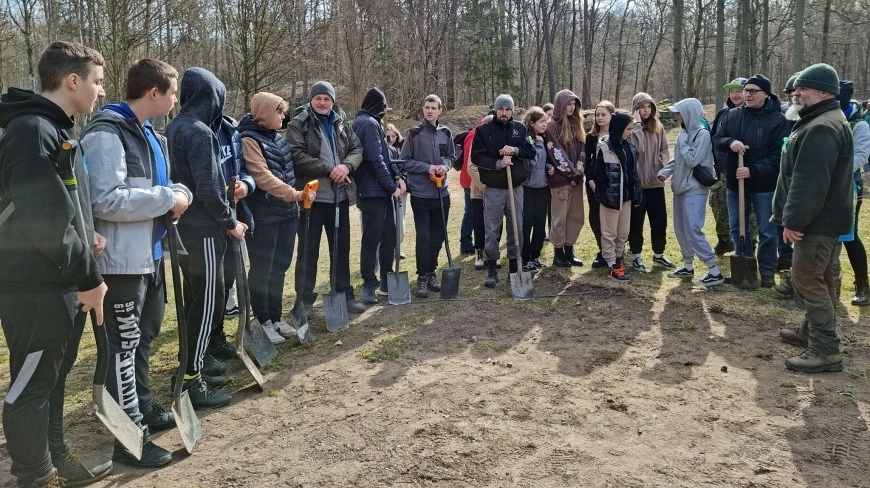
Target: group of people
{"x":230,"y":187}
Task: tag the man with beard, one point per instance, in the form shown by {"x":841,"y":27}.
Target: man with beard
{"x":499,"y":144}
{"x":816,"y":160}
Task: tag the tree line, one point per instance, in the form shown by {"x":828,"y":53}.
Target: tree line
{"x":467,"y":51}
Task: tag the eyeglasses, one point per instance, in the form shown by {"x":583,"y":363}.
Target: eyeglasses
{"x":750,"y":91}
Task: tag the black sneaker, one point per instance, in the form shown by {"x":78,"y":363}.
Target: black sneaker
{"x":664,"y":262}
{"x":599,"y":261}
{"x":529,"y":267}
{"x":369,"y":297}
{"x":767,"y":282}
{"x":153,"y":456}
{"x":682,"y":273}
{"x":491,"y":276}
{"x":637,"y":264}
{"x":219,"y":348}
{"x":422,"y":286}
{"x":212,"y":381}
{"x":204,"y":396}
{"x":159,"y":419}
{"x":711,"y":280}
{"x":231,"y":312}
{"x":433,"y":282}
{"x":538,"y":264}
{"x":212,"y":366}
{"x":76,"y":472}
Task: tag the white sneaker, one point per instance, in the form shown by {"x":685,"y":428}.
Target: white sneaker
{"x":271,"y":333}
{"x":284,"y":329}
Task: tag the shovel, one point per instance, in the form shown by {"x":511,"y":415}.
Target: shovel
{"x":449,"y":275}
{"x":105,"y":407}
{"x":251,"y":334}
{"x":300,"y":315}
{"x":522,"y":286}
{"x":245,"y":317}
{"x":256,"y":339}
{"x":334,"y":303}
{"x":185,"y":418}
{"x":398,"y":286}
{"x":744,"y":268}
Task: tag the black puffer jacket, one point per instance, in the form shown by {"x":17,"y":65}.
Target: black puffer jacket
{"x":762,"y":129}
{"x":266,"y":208}
{"x":614,"y":169}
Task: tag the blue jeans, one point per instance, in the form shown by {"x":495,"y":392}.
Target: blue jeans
{"x":465,"y":231}
{"x":767,"y":242}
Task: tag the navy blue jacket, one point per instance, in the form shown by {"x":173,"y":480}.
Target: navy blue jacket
{"x":234,"y":165}
{"x":375,"y":177}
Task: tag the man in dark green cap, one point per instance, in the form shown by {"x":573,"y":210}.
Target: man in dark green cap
{"x":813,"y":203}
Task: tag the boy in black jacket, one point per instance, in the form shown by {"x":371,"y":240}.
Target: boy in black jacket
{"x":194,"y":153}
{"x":497,"y":145}
{"x":48,"y":273}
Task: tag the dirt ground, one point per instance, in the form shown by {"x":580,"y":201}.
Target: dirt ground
{"x":593,"y":384}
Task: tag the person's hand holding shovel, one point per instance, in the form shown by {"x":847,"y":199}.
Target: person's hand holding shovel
{"x":181,"y":204}
{"x":506,"y":160}
{"x":239,"y":231}
{"x":93,"y":300}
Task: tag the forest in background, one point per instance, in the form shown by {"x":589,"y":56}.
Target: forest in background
{"x":467,"y":51}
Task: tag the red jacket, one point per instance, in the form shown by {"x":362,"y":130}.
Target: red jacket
{"x":464,"y":177}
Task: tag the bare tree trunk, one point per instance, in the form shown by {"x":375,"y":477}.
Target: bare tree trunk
{"x":619,"y":52}
{"x":798,"y":47}
{"x":548,"y":47}
{"x":677,"y":88}
{"x":826,"y":29}
{"x":720,"y":53}
{"x":601,"y":94}
{"x":765,"y":35}
{"x":571,"y":44}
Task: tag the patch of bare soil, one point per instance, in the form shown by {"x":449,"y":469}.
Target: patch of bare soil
{"x":598,"y":387}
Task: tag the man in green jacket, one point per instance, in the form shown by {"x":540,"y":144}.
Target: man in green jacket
{"x":813,"y":204}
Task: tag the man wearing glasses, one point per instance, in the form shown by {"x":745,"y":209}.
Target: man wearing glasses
{"x":756,"y":130}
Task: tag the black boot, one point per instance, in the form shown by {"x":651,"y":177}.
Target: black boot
{"x":491,"y":275}
{"x":599,"y":261}
{"x":153,"y":456}
{"x":77,"y":472}
{"x":559,"y":259}
{"x":422,"y":286}
{"x":569,"y":256}
{"x":862,"y":293}
{"x":512,"y":266}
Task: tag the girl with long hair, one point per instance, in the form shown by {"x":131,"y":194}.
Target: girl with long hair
{"x":566,"y":156}
{"x":536,"y":192}
{"x":600,"y":128}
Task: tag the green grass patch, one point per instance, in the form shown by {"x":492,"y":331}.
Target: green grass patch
{"x":388,"y":348}
{"x":484,"y":345}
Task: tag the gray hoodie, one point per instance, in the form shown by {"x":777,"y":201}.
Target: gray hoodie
{"x":693,"y":147}
{"x":427,"y":145}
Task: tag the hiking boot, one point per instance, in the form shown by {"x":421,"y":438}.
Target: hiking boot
{"x":51,"y":480}
{"x":212,"y":366}
{"x":491,"y":275}
{"x":272,"y":333}
{"x":599,"y":261}
{"x":538,"y":264}
{"x":664,"y":262}
{"x":811,"y":361}
{"x":220,"y":348}
{"x":711,"y":280}
{"x":204,"y":396}
{"x":682,"y":273}
{"x":76,"y":472}
{"x":422,"y":286}
{"x":784,"y":289}
{"x":637,"y":264}
{"x":862,"y":294}
{"x":559,"y":258}
{"x":618,"y":272}
{"x":783,"y":264}
{"x":767,"y":282}
{"x":569,"y":256}
{"x":153,"y":456}
{"x":724,"y":246}
{"x":794,"y":337}
{"x":479,"y":263}
{"x":369,"y":297}
{"x":355,"y":307}
{"x":159,"y":419}
{"x":433,"y":283}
